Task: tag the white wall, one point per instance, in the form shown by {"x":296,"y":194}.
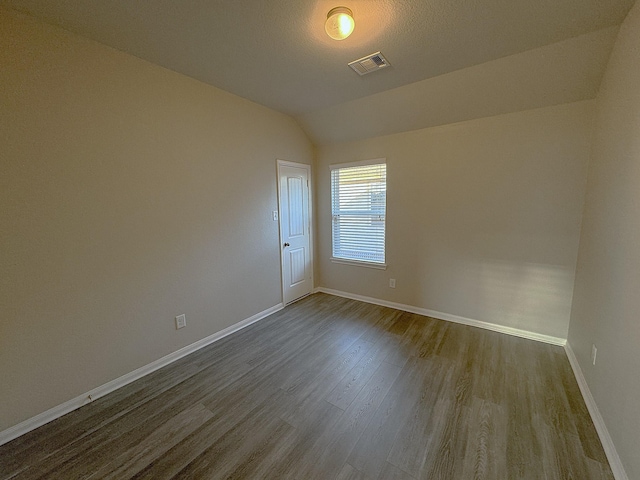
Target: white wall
{"x":128,"y":194}
{"x":606,"y":309}
{"x":483,"y":217}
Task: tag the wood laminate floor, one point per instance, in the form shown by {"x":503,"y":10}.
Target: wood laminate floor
{"x":331,"y":388}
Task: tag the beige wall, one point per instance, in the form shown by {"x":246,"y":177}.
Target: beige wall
{"x":483,"y":217}
{"x":606,"y":309}
{"x":129,"y":194}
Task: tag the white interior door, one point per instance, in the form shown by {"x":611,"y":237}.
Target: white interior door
{"x":295,"y":230}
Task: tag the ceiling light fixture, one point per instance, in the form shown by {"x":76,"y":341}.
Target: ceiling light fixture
{"x":340,"y":23}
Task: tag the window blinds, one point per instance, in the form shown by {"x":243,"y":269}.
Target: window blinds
{"x":358,"y":209}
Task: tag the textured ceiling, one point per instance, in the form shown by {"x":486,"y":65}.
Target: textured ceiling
{"x":562,"y":72}
{"x":275,"y":52}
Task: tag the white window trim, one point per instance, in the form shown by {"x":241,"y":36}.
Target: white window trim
{"x":361,"y":163}
{"x":348,"y":261}
{"x":359,"y":263}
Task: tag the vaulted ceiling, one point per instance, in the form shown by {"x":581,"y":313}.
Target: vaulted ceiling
{"x":451,"y":61}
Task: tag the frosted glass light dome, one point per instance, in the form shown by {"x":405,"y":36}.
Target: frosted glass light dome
{"x":340,"y":23}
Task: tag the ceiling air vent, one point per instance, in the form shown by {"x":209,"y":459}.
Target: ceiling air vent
{"x":370,"y":63}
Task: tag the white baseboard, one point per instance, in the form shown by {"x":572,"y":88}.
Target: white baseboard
{"x":60,"y":410}
{"x":607,"y":443}
{"x":449,"y":317}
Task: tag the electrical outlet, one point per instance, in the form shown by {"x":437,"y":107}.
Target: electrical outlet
{"x":594,"y":352}
{"x":181,"y":321}
{"x":392,"y":283}
{"x":275,"y":215}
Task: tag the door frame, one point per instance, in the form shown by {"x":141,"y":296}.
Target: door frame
{"x":307,"y":167}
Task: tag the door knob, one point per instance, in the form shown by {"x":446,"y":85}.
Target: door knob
{"x":287,"y":245}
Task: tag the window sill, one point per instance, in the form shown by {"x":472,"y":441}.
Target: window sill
{"x":358,"y":263}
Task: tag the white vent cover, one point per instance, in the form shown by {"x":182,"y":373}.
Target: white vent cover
{"x":370,"y":63}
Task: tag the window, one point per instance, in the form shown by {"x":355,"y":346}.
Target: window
{"x":358,"y":210}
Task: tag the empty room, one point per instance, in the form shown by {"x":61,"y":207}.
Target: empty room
{"x":312,"y":239}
